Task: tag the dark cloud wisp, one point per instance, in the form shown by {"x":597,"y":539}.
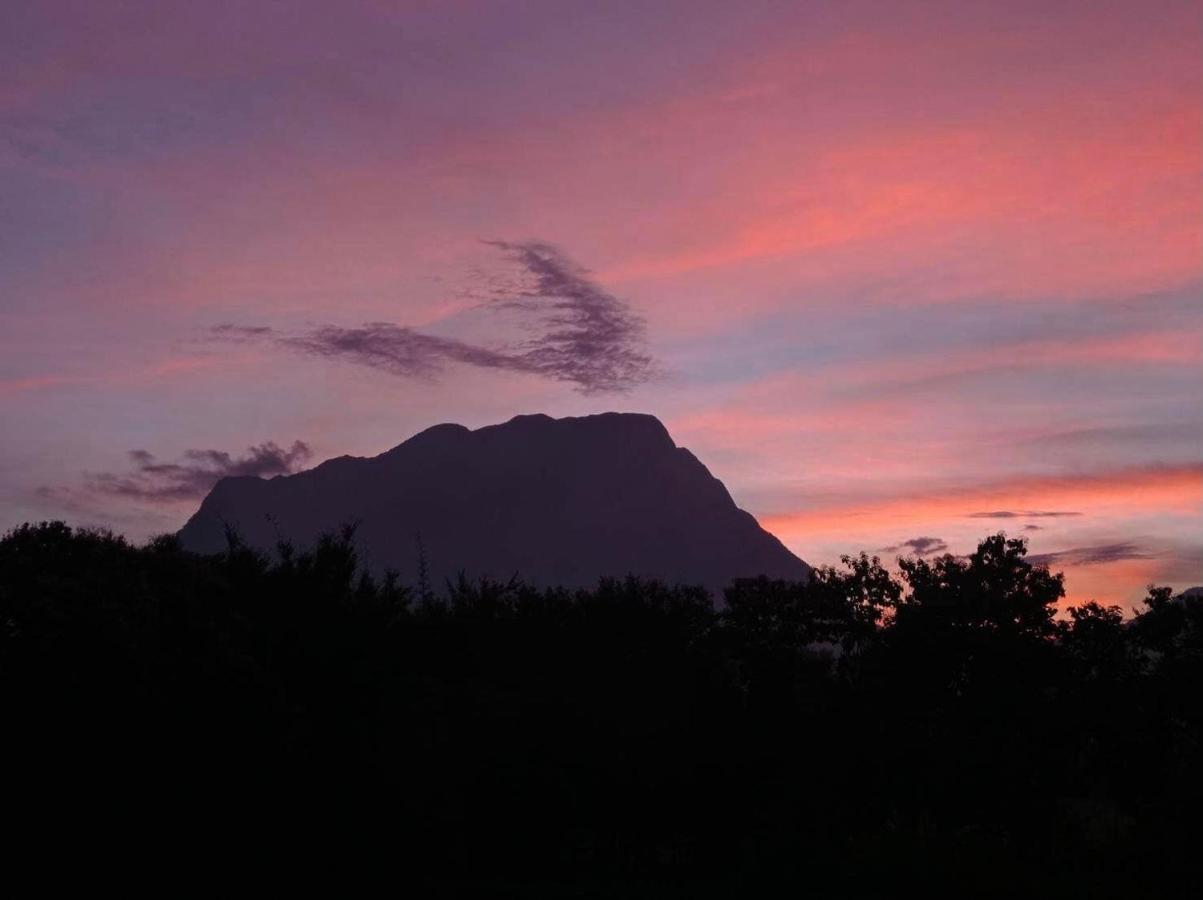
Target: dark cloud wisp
{"x":1088,"y":556}
{"x":919,"y":546}
{"x":394,"y":349}
{"x":192,"y":476}
{"x":589,"y":336}
{"x":1021,"y":514}
{"x":577,"y":332}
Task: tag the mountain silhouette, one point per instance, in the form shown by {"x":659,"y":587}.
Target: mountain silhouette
{"x":555,"y":501}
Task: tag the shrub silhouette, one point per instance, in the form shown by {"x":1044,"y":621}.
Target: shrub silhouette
{"x":942,"y":729}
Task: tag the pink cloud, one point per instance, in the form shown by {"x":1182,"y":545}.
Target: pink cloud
{"x":1044,"y":185}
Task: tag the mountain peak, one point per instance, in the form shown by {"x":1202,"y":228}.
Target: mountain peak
{"x":560,"y":501}
{"x":607,"y":426}
{"x":447,"y":432}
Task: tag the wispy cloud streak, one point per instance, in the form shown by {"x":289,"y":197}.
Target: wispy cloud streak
{"x":1091,"y":556}
{"x":580,"y":333}
{"x":1021,"y":514}
{"x":395,"y":349}
{"x":591,"y":338}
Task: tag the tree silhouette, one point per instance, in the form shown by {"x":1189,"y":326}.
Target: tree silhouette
{"x":944,"y":729}
{"x":994,"y":588}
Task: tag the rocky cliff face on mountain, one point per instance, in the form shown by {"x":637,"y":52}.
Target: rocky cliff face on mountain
{"x":556,"y":501}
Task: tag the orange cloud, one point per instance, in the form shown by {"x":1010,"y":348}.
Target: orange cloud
{"x":761,"y":411}
{"x":1055,"y":202}
{"x":147,"y":372}
{"x":1151,"y":489}
{"x":20,"y":385}
{"x":1057,"y":189}
{"x":1175,"y":348}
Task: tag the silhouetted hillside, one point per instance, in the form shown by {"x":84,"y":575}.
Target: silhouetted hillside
{"x":558,"y":501}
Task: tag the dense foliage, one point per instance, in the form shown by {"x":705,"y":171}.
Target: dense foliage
{"x":941,"y":728}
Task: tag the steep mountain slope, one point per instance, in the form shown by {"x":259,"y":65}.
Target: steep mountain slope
{"x":558,"y":501}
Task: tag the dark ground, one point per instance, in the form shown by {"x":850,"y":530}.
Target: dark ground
{"x":187,"y":716}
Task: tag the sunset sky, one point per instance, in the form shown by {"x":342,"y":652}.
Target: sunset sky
{"x":895,"y":271}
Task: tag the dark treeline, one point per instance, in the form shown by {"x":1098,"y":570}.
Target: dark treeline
{"x":941,"y":729}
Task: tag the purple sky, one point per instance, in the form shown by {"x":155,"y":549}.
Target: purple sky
{"x":885,"y":267}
